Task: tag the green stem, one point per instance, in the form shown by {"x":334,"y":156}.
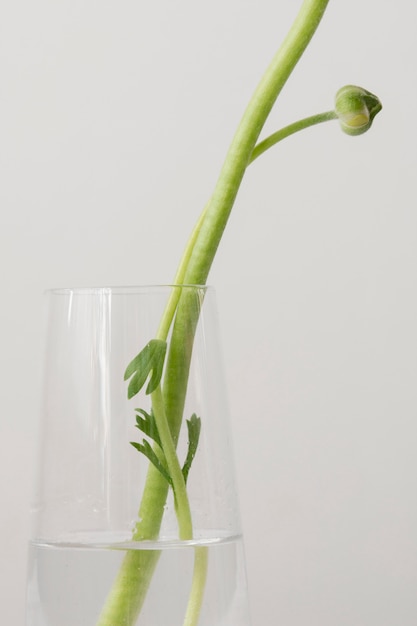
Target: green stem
{"x":245,"y":139}
{"x":182,"y":504}
{"x":285,"y":132}
{"x":198,"y":586}
{"x":128,"y":592}
{"x":171,"y":306}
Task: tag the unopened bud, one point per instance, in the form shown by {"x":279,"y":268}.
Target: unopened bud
{"x":356,"y":108}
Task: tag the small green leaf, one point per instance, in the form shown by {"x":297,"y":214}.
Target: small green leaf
{"x":148,"y":363}
{"x":146,"y":449}
{"x":194,"y":428}
{"x":147,"y":424}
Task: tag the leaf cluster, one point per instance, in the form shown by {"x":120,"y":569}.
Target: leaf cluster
{"x":146,"y":423}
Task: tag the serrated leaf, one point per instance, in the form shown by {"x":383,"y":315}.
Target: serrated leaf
{"x":194,"y":428}
{"x":147,"y":424}
{"x":148,"y":363}
{"x":146,"y":449}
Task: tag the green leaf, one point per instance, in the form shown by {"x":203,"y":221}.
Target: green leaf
{"x":194,"y":428}
{"x":147,"y":424}
{"x":148,"y":363}
{"x":146,"y":449}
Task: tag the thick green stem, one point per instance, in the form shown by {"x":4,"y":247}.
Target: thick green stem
{"x":245,"y":139}
{"x":129,"y":590}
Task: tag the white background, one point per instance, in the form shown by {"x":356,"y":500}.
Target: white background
{"x":115,"y":117}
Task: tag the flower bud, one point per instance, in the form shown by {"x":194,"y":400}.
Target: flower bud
{"x":356,"y":108}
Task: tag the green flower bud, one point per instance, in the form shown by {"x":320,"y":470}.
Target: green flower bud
{"x":356,"y":108}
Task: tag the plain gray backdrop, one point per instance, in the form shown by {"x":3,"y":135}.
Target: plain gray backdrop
{"x":115,"y":117}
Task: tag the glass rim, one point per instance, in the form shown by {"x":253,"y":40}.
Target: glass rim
{"x":123,"y":290}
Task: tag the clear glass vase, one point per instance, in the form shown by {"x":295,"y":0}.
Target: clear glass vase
{"x":135,"y":515}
